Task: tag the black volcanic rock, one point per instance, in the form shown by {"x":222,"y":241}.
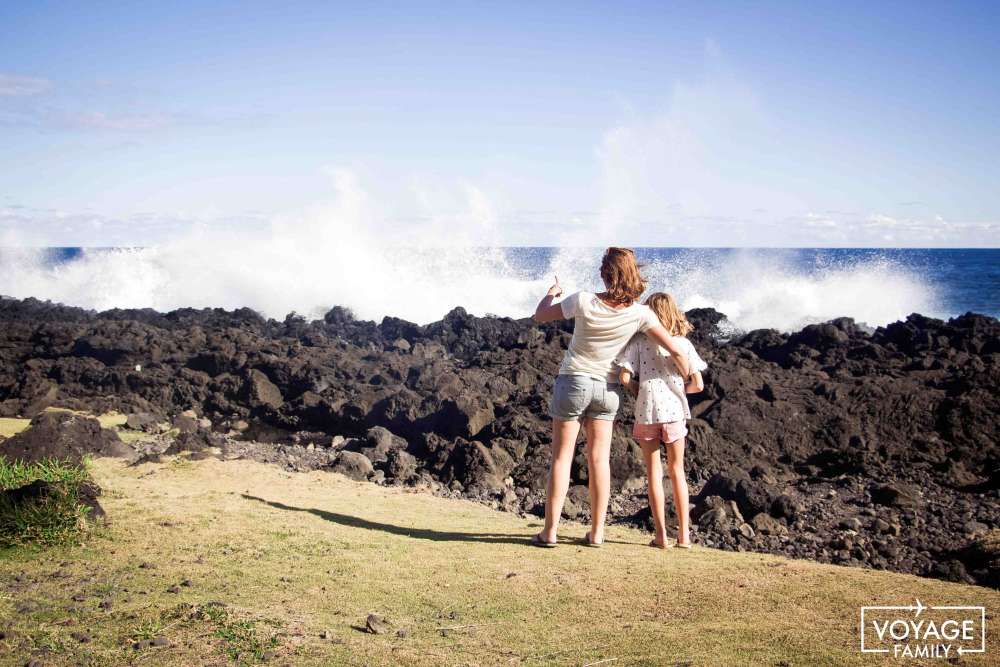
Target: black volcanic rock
{"x":64,"y":436}
{"x":794,"y":433}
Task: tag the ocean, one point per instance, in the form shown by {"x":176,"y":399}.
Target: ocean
{"x":756,"y":288}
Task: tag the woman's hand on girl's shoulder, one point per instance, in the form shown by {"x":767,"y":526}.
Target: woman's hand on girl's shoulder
{"x":695,"y":383}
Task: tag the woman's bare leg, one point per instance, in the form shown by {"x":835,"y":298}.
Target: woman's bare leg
{"x":654,"y":480}
{"x":563,"y":443}
{"x":599,"y":474}
{"x":675,"y":468}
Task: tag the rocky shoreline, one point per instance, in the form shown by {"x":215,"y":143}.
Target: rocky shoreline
{"x":875,"y":449}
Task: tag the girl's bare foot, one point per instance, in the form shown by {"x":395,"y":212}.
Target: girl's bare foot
{"x":657,"y":544}
{"x":592,"y":543}
{"x":685,"y":544}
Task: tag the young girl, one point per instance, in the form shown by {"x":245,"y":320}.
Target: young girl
{"x":661,"y":410}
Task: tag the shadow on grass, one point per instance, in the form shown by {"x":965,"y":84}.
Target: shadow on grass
{"x":415,"y":533}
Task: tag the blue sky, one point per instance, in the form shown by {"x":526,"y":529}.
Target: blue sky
{"x":726,"y":124}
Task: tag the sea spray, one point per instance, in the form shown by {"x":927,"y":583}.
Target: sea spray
{"x":341,"y":254}
{"x":777,"y":289}
{"x":347,"y":254}
{"x":769,"y":288}
{"x":279,"y":273}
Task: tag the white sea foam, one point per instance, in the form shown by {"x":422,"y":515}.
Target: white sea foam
{"x":333,"y":256}
{"x":274,"y":274}
{"x":769,"y":289}
{"x":304,"y":263}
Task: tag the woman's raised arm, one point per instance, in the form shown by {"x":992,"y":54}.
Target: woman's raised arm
{"x":660,"y":336}
{"x":546,"y":310}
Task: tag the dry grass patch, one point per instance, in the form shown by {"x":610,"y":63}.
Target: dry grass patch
{"x":115,"y":421}
{"x":12,"y":426}
{"x":297,"y":562}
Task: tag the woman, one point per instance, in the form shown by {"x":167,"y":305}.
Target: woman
{"x":587,"y":384}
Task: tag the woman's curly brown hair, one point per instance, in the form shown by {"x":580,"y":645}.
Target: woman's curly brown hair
{"x":621,"y":276}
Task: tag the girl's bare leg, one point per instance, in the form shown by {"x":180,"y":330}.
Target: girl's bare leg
{"x":599,"y":474}
{"x":654,"y":479}
{"x":675,"y":468}
{"x":563,"y":443}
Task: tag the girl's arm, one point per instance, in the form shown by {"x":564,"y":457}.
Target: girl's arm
{"x":695,"y":384}
{"x":546,"y":310}
{"x":660,"y":336}
{"x":625,"y":379}
{"x":628,"y":362}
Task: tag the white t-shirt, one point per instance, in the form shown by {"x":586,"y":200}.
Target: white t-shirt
{"x":661,"y":386}
{"x":600,"y":334}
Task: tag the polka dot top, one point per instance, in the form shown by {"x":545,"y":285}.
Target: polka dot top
{"x":661,"y":387}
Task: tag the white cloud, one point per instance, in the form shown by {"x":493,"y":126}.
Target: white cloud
{"x":22,"y":86}
{"x":100,"y":121}
{"x":880,"y":229}
{"x":694,"y":159}
{"x":22,"y":226}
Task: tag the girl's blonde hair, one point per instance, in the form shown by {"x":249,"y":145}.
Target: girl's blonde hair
{"x":620,"y":273}
{"x":671,"y":316}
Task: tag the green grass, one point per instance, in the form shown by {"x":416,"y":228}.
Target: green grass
{"x":18,"y":473}
{"x":53,"y":519}
{"x":243,"y":642}
{"x":294,"y":563}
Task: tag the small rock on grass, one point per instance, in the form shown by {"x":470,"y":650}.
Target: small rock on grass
{"x":81,"y":637}
{"x":159,"y":641}
{"x":105,"y":604}
{"x":141,"y":644}
{"x":375,"y":624}
{"x":326,"y":634}
{"x":174,"y":589}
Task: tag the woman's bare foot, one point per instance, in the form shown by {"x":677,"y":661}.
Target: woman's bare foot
{"x":683,"y":543}
{"x":659,"y":539}
{"x":592,"y":543}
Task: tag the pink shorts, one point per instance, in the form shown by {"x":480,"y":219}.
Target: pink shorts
{"x":665,"y":431}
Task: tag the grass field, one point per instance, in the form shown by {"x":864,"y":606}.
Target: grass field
{"x":234,"y":562}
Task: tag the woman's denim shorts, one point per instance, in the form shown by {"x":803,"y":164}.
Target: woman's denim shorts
{"x":575,"y":396}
